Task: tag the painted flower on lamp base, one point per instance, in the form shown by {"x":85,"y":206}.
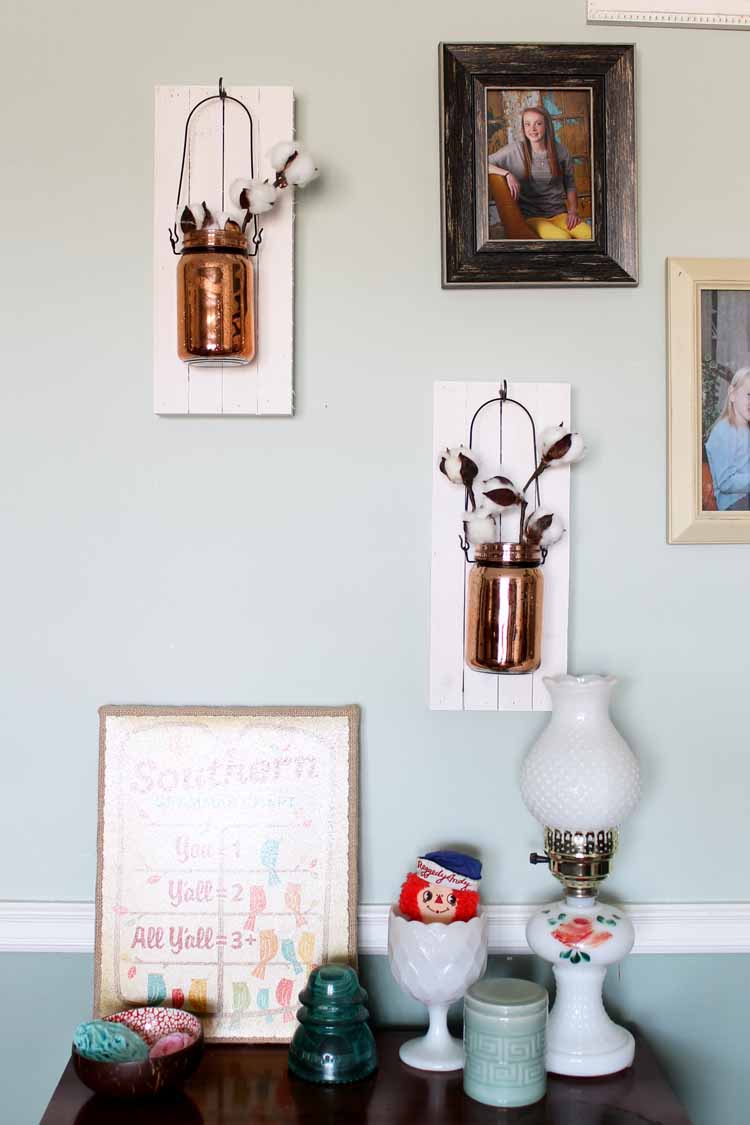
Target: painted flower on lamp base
{"x":581,"y":938}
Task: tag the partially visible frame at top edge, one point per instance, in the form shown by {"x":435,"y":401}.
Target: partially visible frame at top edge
{"x":671,"y":13}
{"x":471,"y":259}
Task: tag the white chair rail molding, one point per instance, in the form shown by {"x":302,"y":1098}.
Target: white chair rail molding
{"x":667,"y":927}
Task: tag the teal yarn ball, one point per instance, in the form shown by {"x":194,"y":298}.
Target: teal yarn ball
{"x":102,"y":1041}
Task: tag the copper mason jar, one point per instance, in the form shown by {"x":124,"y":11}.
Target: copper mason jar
{"x":504,"y":621}
{"x":215,"y":306}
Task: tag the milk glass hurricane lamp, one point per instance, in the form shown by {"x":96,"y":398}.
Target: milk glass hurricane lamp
{"x":580,"y":781}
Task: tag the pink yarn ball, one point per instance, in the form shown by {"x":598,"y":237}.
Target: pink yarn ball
{"x":169,"y":1044}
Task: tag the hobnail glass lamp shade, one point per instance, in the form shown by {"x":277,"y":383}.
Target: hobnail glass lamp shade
{"x":580,"y":775}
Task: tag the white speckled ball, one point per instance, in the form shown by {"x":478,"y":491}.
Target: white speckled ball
{"x":581,"y":775}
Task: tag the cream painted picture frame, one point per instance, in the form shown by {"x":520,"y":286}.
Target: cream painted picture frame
{"x":729,"y":14}
{"x":708,"y":314}
{"x":227,"y":860}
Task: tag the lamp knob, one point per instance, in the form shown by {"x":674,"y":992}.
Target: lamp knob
{"x":536,"y":858}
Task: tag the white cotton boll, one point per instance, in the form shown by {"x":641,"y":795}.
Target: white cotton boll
{"x":460,"y":468}
{"x":560,"y":446}
{"x":236,"y":189}
{"x":261,"y":196}
{"x":499,"y":494}
{"x":280,"y":153}
{"x":224,"y":217}
{"x":301,"y":171}
{"x":198,"y":211}
{"x":191,"y":217}
{"x":454,"y":464}
{"x":544,"y":528}
{"x":577,"y":449}
{"x":480,"y":527}
{"x":549,"y":437}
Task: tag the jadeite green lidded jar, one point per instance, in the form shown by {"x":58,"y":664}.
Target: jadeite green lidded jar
{"x":504,"y":1034}
{"x":333,"y":1043}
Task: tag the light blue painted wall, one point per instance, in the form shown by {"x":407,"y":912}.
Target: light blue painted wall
{"x":166,"y":560}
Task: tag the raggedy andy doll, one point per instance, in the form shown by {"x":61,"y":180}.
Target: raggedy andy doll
{"x":444,"y":888}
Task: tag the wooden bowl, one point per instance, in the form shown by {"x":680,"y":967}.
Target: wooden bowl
{"x":146,"y":1077}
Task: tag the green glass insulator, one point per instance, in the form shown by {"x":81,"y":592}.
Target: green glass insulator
{"x":333,"y":1043}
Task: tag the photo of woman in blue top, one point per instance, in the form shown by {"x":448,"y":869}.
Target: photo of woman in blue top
{"x":728,"y":447}
{"x":539,"y":173}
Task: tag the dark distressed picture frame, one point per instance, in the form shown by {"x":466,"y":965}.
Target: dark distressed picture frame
{"x":470,"y":258}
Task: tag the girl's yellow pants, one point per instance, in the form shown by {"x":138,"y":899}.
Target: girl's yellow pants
{"x":557,"y":227}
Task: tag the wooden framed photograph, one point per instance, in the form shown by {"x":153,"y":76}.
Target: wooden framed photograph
{"x":538,"y":168}
{"x":227,"y":860}
{"x":708,"y":303}
{"x":672,"y":13}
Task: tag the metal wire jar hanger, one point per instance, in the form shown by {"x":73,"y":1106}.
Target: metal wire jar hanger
{"x":502,"y":400}
{"x":223,"y":97}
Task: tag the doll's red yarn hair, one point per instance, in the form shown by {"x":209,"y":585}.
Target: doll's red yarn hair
{"x":466,"y":901}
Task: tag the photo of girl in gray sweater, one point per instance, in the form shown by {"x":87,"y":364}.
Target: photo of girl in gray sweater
{"x":540,"y":174}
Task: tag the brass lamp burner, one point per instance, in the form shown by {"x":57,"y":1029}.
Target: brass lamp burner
{"x":580,"y":860}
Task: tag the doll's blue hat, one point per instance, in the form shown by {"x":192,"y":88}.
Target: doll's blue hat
{"x":454,"y":869}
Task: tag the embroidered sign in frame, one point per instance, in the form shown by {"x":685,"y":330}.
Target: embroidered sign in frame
{"x":226,"y":860}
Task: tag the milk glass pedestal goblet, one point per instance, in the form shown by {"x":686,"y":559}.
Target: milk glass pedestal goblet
{"x":436,"y":963}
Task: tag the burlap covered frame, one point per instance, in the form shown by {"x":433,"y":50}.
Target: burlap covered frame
{"x":346,"y":737}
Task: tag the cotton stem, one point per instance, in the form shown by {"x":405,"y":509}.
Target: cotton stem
{"x":534,"y":476}
{"x":522,"y":526}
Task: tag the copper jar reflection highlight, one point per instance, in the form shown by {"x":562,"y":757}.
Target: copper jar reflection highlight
{"x":504,"y":619}
{"x":215,"y":305}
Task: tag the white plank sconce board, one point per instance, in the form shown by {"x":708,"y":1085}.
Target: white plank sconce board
{"x":265,"y":385}
{"x":454,"y":686}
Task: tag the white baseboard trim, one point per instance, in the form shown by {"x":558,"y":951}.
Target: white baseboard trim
{"x":673,"y":927}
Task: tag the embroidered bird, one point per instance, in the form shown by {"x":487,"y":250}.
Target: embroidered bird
{"x":241,"y":998}
{"x":269,"y":947}
{"x":293,"y":902}
{"x":269,"y":855}
{"x":258,"y":905}
{"x":458,"y":466}
{"x":264,"y":1002}
{"x":284,"y":997}
{"x":306,"y":950}
{"x":287,"y":952}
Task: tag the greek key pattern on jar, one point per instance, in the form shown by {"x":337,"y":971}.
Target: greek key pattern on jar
{"x":513,"y":1062}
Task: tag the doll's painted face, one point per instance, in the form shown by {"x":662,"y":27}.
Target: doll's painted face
{"x":436,"y":904}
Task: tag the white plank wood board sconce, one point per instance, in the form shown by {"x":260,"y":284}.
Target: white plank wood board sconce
{"x":265,"y":385}
{"x":454,"y":686}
